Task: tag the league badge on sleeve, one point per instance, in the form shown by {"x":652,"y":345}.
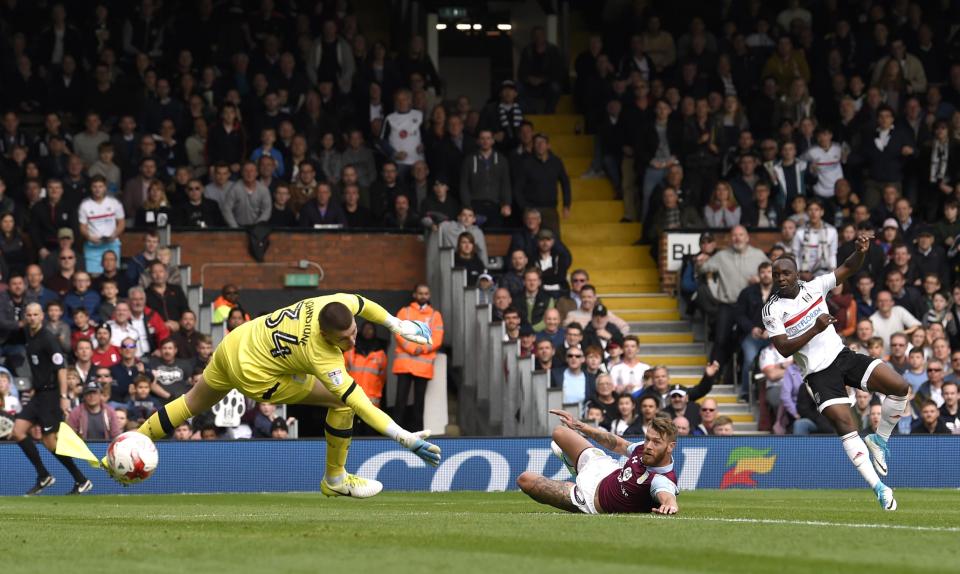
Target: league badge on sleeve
{"x":336,"y":377}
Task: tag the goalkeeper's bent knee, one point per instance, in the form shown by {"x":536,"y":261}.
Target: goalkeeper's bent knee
{"x":167,"y":418}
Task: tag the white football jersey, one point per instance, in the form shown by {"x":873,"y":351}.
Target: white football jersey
{"x":829,"y":168}
{"x":796,"y":316}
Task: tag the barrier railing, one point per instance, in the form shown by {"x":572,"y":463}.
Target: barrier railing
{"x":499,"y":393}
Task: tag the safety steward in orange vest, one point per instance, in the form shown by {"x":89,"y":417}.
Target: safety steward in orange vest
{"x":367,"y":363}
{"x":413,"y":364}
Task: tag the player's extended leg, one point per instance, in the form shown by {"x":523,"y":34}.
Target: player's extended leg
{"x":171,"y":415}
{"x":338,"y":430}
{"x":21,"y":436}
{"x":547,"y":491}
{"x":80,"y":482}
{"x":853,"y":445}
{"x":571,"y":445}
{"x":885,"y":380}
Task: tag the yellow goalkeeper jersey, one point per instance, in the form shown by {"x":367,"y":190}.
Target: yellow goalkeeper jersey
{"x":272,"y":358}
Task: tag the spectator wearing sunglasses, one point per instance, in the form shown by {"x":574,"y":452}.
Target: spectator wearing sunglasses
{"x":708,"y":416}
{"x":129,"y":367}
{"x":576,"y":383}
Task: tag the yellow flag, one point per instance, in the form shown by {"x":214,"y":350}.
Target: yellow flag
{"x":70,"y":444}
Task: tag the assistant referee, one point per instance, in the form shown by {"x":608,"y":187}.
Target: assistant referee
{"x":50,"y":403}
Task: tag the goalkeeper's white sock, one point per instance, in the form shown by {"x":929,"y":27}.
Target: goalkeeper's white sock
{"x":857,"y":451}
{"x":890,"y":412}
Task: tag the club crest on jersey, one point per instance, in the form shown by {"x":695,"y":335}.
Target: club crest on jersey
{"x":807,"y":298}
{"x":625,"y":475}
{"x":336,"y":377}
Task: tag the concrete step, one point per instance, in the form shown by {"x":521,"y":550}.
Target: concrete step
{"x":557,"y":124}
{"x":638,"y":303}
{"x":660,"y":327}
{"x":673,"y":349}
{"x":650,"y":315}
{"x":572,"y":145}
{"x":741,"y":418}
{"x":673,"y":360}
{"x":601,"y":233}
{"x":749,"y":428}
{"x":593,"y":189}
{"x":593,"y":257}
{"x":565,"y":105}
{"x":622,"y":278}
{"x":651,"y":286}
{"x":650,"y":338}
{"x":577,"y":165}
{"x":595,"y":212}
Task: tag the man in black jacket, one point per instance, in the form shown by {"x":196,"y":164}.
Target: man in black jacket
{"x":749,"y":306}
{"x":930,"y":258}
{"x":536,"y":184}
{"x":885,"y":150}
{"x":198,"y":211}
{"x":48,"y":216}
{"x":485,"y":182}
{"x":322,"y":209}
{"x":535,"y":301}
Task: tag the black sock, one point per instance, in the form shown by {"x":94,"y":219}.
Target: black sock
{"x":29,"y":448}
{"x":68,"y":463}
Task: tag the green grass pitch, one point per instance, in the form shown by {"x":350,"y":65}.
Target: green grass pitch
{"x":494,"y":533}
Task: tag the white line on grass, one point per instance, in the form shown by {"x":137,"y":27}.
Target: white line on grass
{"x":817,"y":523}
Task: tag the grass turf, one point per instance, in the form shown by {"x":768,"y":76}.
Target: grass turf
{"x":799,"y":531}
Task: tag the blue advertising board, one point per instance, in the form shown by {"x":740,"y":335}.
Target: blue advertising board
{"x":488,"y":464}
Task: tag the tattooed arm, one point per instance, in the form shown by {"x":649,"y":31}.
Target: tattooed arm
{"x":607,"y":440}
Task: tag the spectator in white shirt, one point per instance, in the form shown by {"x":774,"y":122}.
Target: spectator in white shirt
{"x":815,"y":244}
{"x":825,"y":161}
{"x":890,"y":319}
{"x":628,"y":374}
{"x":101,"y":224}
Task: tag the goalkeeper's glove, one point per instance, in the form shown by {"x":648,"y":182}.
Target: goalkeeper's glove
{"x":427,"y":451}
{"x":414,"y":331}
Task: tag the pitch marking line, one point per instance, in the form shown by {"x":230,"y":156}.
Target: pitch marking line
{"x":817,"y":523}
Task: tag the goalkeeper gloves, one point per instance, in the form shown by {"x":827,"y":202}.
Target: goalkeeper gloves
{"x":427,"y":451}
{"x":414,"y":331}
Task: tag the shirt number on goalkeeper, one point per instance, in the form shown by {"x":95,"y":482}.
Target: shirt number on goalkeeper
{"x":280,"y":350}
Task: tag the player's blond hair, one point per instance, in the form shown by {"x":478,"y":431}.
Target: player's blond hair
{"x":665,"y":428}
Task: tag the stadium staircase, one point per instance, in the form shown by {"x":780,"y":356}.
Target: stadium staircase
{"x":626,"y":276}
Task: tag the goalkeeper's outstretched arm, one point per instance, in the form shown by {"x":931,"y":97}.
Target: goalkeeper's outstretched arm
{"x":413,"y":331}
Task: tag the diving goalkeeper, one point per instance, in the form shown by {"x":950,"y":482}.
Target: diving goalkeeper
{"x":279,"y":358}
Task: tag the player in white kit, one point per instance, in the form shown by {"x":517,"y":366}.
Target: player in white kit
{"x":800,"y":325}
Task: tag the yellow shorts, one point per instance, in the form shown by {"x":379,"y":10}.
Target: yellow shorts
{"x":284,"y":389}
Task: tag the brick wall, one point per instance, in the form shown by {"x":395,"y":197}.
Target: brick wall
{"x":763,"y":240}
{"x":350,"y":261}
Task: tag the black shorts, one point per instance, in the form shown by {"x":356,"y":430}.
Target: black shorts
{"x":44,"y":410}
{"x":848,"y":369}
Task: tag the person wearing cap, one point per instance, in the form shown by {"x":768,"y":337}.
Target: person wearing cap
{"x":279,"y":428}
{"x":928,"y":256}
{"x":536,"y":184}
{"x":503,"y":117}
{"x":485,"y":182}
{"x":680,"y":406}
{"x":553,"y":262}
{"x":93,"y":419}
{"x":526,"y":238}
{"x":599,"y":331}
{"x":440,"y":205}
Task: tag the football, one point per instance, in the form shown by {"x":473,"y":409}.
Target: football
{"x":132,"y":457}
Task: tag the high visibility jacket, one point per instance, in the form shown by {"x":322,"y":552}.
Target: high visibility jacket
{"x":412,"y":358}
{"x":369,"y":371}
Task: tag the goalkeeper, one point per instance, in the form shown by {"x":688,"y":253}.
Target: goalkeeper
{"x":279,"y":358}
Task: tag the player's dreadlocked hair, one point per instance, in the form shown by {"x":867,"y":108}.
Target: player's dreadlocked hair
{"x":665,"y":428}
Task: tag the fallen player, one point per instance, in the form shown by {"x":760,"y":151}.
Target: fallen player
{"x":645,"y":482}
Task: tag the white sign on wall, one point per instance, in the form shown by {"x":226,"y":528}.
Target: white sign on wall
{"x":678,"y":245}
